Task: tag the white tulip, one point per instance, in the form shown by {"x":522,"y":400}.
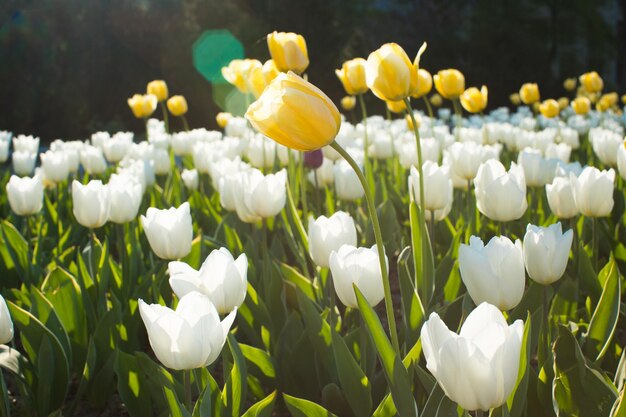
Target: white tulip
{"x":25,"y":195}
{"x":91,"y":203}
{"x":561,"y":198}
{"x":4,"y":151}
{"x":465,"y":159}
{"x":500,"y":195}
{"x":605,"y":143}
{"x":24,"y":162}
{"x":538,"y":171}
{"x":593,"y":191}
{"x":169,"y":231}
{"x":55,"y":166}
{"x":560,"y":151}
{"x":162,"y":164}
{"x":190,"y":178}
{"x":322,"y":176}
{"x":125,"y":193}
{"x":546,"y":252}
{"x":347,"y":184}
{"x":92,"y":159}
{"x":437,"y":186}
{"x":27,"y":144}
{"x":328,"y":234}
{"x":621,"y":160}
{"x":6,"y":324}
{"x":117,"y":147}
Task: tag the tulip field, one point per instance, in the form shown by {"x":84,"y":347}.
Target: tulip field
{"x":442,"y":259}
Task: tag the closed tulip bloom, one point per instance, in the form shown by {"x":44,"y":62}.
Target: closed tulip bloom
{"x":6,"y":324}
{"x":593,"y":191}
{"x":4,"y":151}
{"x":477,"y":368}
{"x":143,"y":105}
{"x":92,"y":159}
{"x":561,"y":198}
{"x":515,"y":99}
{"x":238,"y":71}
{"x":474,"y":100}
{"x":563,"y":102}
{"x":424,"y":83}
{"x":190,"y":337}
{"x":347,"y":184}
{"x":437,"y":186}
{"x":591,"y":82}
{"x":529,"y":93}
{"x":169,"y":231}
{"x":546,"y":251}
{"x":328,"y":234}
{"x":265,"y":195}
{"x":91,"y":203}
{"x":493,"y":273}
{"x":357,"y":266}
{"x":288,"y":51}
{"x":116,"y":148}
{"x":348,"y":103}
{"x":177,"y":105}
{"x":621,"y":159}
{"x":500,"y":195}
{"x":581,"y":105}
{"x":465,"y":159}
{"x":295,"y":113}
{"x":23,"y":162}
{"x":25,"y":195}
{"x":25,"y":143}
{"x":450,"y":83}
{"x":190,"y":178}
{"x":605,"y":144}
{"x":549,"y":108}
{"x":125,"y":193}
{"x":352,"y":76}
{"x":55,"y":166}
{"x":390,"y":74}
{"x":436,"y":100}
{"x":538,"y":171}
{"x":222,"y":278}
{"x":158,"y":88}
{"x":570,"y":84}
{"x":270,"y":71}
{"x":222,"y":119}
{"x":560,"y":151}
{"x":396,"y":106}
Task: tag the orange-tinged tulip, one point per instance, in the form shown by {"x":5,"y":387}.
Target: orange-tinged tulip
{"x":592,"y":82}
{"x":177,"y":105}
{"x":396,"y":106}
{"x":529,"y":93}
{"x":348,"y":103}
{"x":474,"y":100}
{"x":222,"y":119}
{"x":390,"y":74}
{"x":352,"y":76}
{"x":424,"y":83}
{"x":159,"y":89}
{"x":581,"y":105}
{"x":288,"y":51}
{"x":143,"y":105}
{"x":450,"y":83}
{"x":295,"y":113}
{"x":549,"y":108}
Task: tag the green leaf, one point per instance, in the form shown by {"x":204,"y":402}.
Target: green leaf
{"x":355,"y":384}
{"x":412,"y":308}
{"x":588,"y":279}
{"x":299,"y":407}
{"x":290,"y":274}
{"x":203,"y":404}
{"x":517,"y":400}
{"x":5,"y":402}
{"x":16,"y":246}
{"x":130,"y":385}
{"x":395,"y":372}
{"x":422,"y":255}
{"x":234,"y":394}
{"x":318,"y":331}
{"x":263,"y":408}
{"x":261,"y":360}
{"x":619,"y":408}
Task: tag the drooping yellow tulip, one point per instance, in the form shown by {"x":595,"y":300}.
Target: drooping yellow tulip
{"x":159,"y":89}
{"x":348,"y":103}
{"x":222,"y":119}
{"x":570,"y":84}
{"x":177,"y":105}
{"x":390,"y":74}
{"x":352,"y":76}
{"x":424,"y":83}
{"x":581,"y":105}
{"x":529,"y":93}
{"x":436,"y":100}
{"x":450,"y":83}
{"x":288,"y":51}
{"x":474,"y":100}
{"x":549,"y":108}
{"x":396,"y":106}
{"x":563,"y":102}
{"x":270,"y":71}
{"x":238,"y":72}
{"x":142,"y":105}
{"x":591,"y":82}
{"x":515,"y":99}
{"x":295,"y":113}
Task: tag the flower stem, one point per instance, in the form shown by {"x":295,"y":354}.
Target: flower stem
{"x":420,"y":163}
{"x":187,"y":382}
{"x":185,"y":124}
{"x":166,"y":119}
{"x":594,"y":241}
{"x":379,"y":245}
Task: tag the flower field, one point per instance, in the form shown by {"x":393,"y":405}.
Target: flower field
{"x":442,"y":259}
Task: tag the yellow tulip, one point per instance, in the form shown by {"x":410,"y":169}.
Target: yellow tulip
{"x":610,"y":98}
{"x":396,"y":106}
{"x":142,"y":105}
{"x":256,"y":81}
{"x":409,"y":122}
{"x":591,"y":81}
{"x":222,"y":119}
{"x":238,"y":72}
{"x":424,"y":83}
{"x":569,"y":84}
{"x":474,"y":100}
{"x":159,"y":89}
{"x":515,"y":99}
{"x":270,"y":71}
{"x":289,"y":52}
{"x":436,"y":100}
{"x":352,"y":76}
{"x":177,"y":105}
{"x":450,"y":83}
{"x":529,"y":93}
{"x":390,"y":74}
{"x":549,"y":108}
{"x":581,"y":105}
{"x":295,"y":113}
{"x":348,"y":103}
{"x":624,"y":99}
{"x":563,"y":102}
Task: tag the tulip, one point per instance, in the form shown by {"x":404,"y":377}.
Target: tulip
{"x":125,"y":194}
{"x":360,"y":267}
{"x":190,"y":337}
{"x":92,"y":159}
{"x":328,"y":234}
{"x":396,"y":106}
{"x":352,"y":76}
{"x":605,"y":144}
{"x":117,"y":147}
{"x":23,"y":143}
{"x":261,"y":152}
{"x":477,"y":368}
{"x":158,"y":88}
{"x":295,"y":113}
{"x":529,"y":93}
{"x":177,"y":105}
{"x":570,"y":84}
{"x":591,"y":82}
{"x":313,"y":159}
{"x":143,"y":106}
{"x":270,"y":71}
{"x":322,"y":176}
{"x":621,"y":159}
{"x":563,"y":102}
{"x":91,"y":203}
{"x":348,"y":103}
{"x":25,"y":195}
{"x":515,"y":99}
{"x":561,"y":152}
{"x":54,"y":165}
{"x":6,"y":324}
{"x":436,"y":100}
{"x":450,"y":83}
{"x":581,"y":105}
{"x":169,"y":232}
{"x":23,"y":162}
{"x":222,"y":119}
{"x":347,"y":185}
{"x":256,"y":81}
{"x":437,"y":186}
{"x":549,"y":108}
{"x":238,"y":73}
{"x":4,"y":151}
{"x":390,"y":74}
{"x":465,"y":159}
{"x":538,"y":171}
{"x":593,"y":191}
{"x":493,"y":273}
{"x":500,"y":195}
{"x":561,"y":198}
{"x":221,"y":278}
{"x":265,"y":195}
{"x":424,"y":83}
{"x":288,"y":51}
{"x":190,"y":178}
{"x":473,"y":100}
{"x":546,"y":251}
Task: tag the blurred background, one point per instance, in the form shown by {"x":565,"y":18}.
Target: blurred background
{"x":68,"y":66}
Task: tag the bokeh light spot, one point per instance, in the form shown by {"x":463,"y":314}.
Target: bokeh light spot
{"x":213,"y":50}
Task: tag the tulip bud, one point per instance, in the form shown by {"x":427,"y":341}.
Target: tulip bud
{"x":295,"y":113}
{"x":591,"y":82}
{"x":177,"y":105}
{"x":569,"y":84}
{"x":390,"y":74}
{"x":549,"y":108}
{"x":465,"y":159}
{"x":500,"y":195}
{"x":581,"y":105}
{"x":222,"y":278}
{"x":473,"y":100}
{"x":436,"y":100}
{"x":348,"y":103}
{"x":222,"y":119}
{"x":238,"y":73}
{"x":561,"y":198}
{"x":142,"y":106}
{"x":6,"y":324}
{"x":424,"y":83}
{"x":158,"y":88}
{"x":25,"y":195}
{"x":437,"y":186}
{"x":125,"y":193}
{"x":352,"y":76}
{"x":190,"y":337}
{"x":288,"y":51}
{"x":515,"y":99}
{"x":169,"y":232}
{"x":191,"y":178}
{"x":357,"y":266}
{"x":529,"y":93}
{"x":546,"y":251}
{"x":270,"y":71}
{"x":593,"y":191}
{"x":329,"y":234}
{"x":313,"y":159}
{"x":117,"y":147}
{"x":493,"y":273}
{"x":450,"y":83}
{"x":91,"y":203}
{"x":605,"y":144}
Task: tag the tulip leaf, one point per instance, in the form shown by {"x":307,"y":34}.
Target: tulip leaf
{"x":355,"y":384}
{"x":412,"y":308}
{"x":588,"y":279}
{"x":438,"y":404}
{"x":386,"y":408}
{"x":299,"y":407}
{"x":263,"y":408}
{"x":260,"y":359}
{"x":131,"y":385}
{"x":318,"y":331}
{"x":604,"y":320}
{"x":423,"y":259}
{"x":619,"y":408}
{"x":5,"y":402}
{"x":16,"y":246}
{"x":203,"y":404}
{"x":395,"y":372}
{"x":516,"y":402}
{"x":293,"y":276}
{"x":234,"y":394}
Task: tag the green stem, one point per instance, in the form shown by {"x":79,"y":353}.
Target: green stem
{"x":594,"y":241}
{"x":458,"y":113}
{"x":29,"y":252}
{"x":305,"y":206}
{"x":166,"y":119}
{"x":429,"y":108}
{"x":379,"y":244}
{"x":187,"y":382}
{"x":58,"y":222}
{"x":145,"y":124}
{"x":470,"y":212}
{"x":420,"y":163}
{"x":185,"y":124}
